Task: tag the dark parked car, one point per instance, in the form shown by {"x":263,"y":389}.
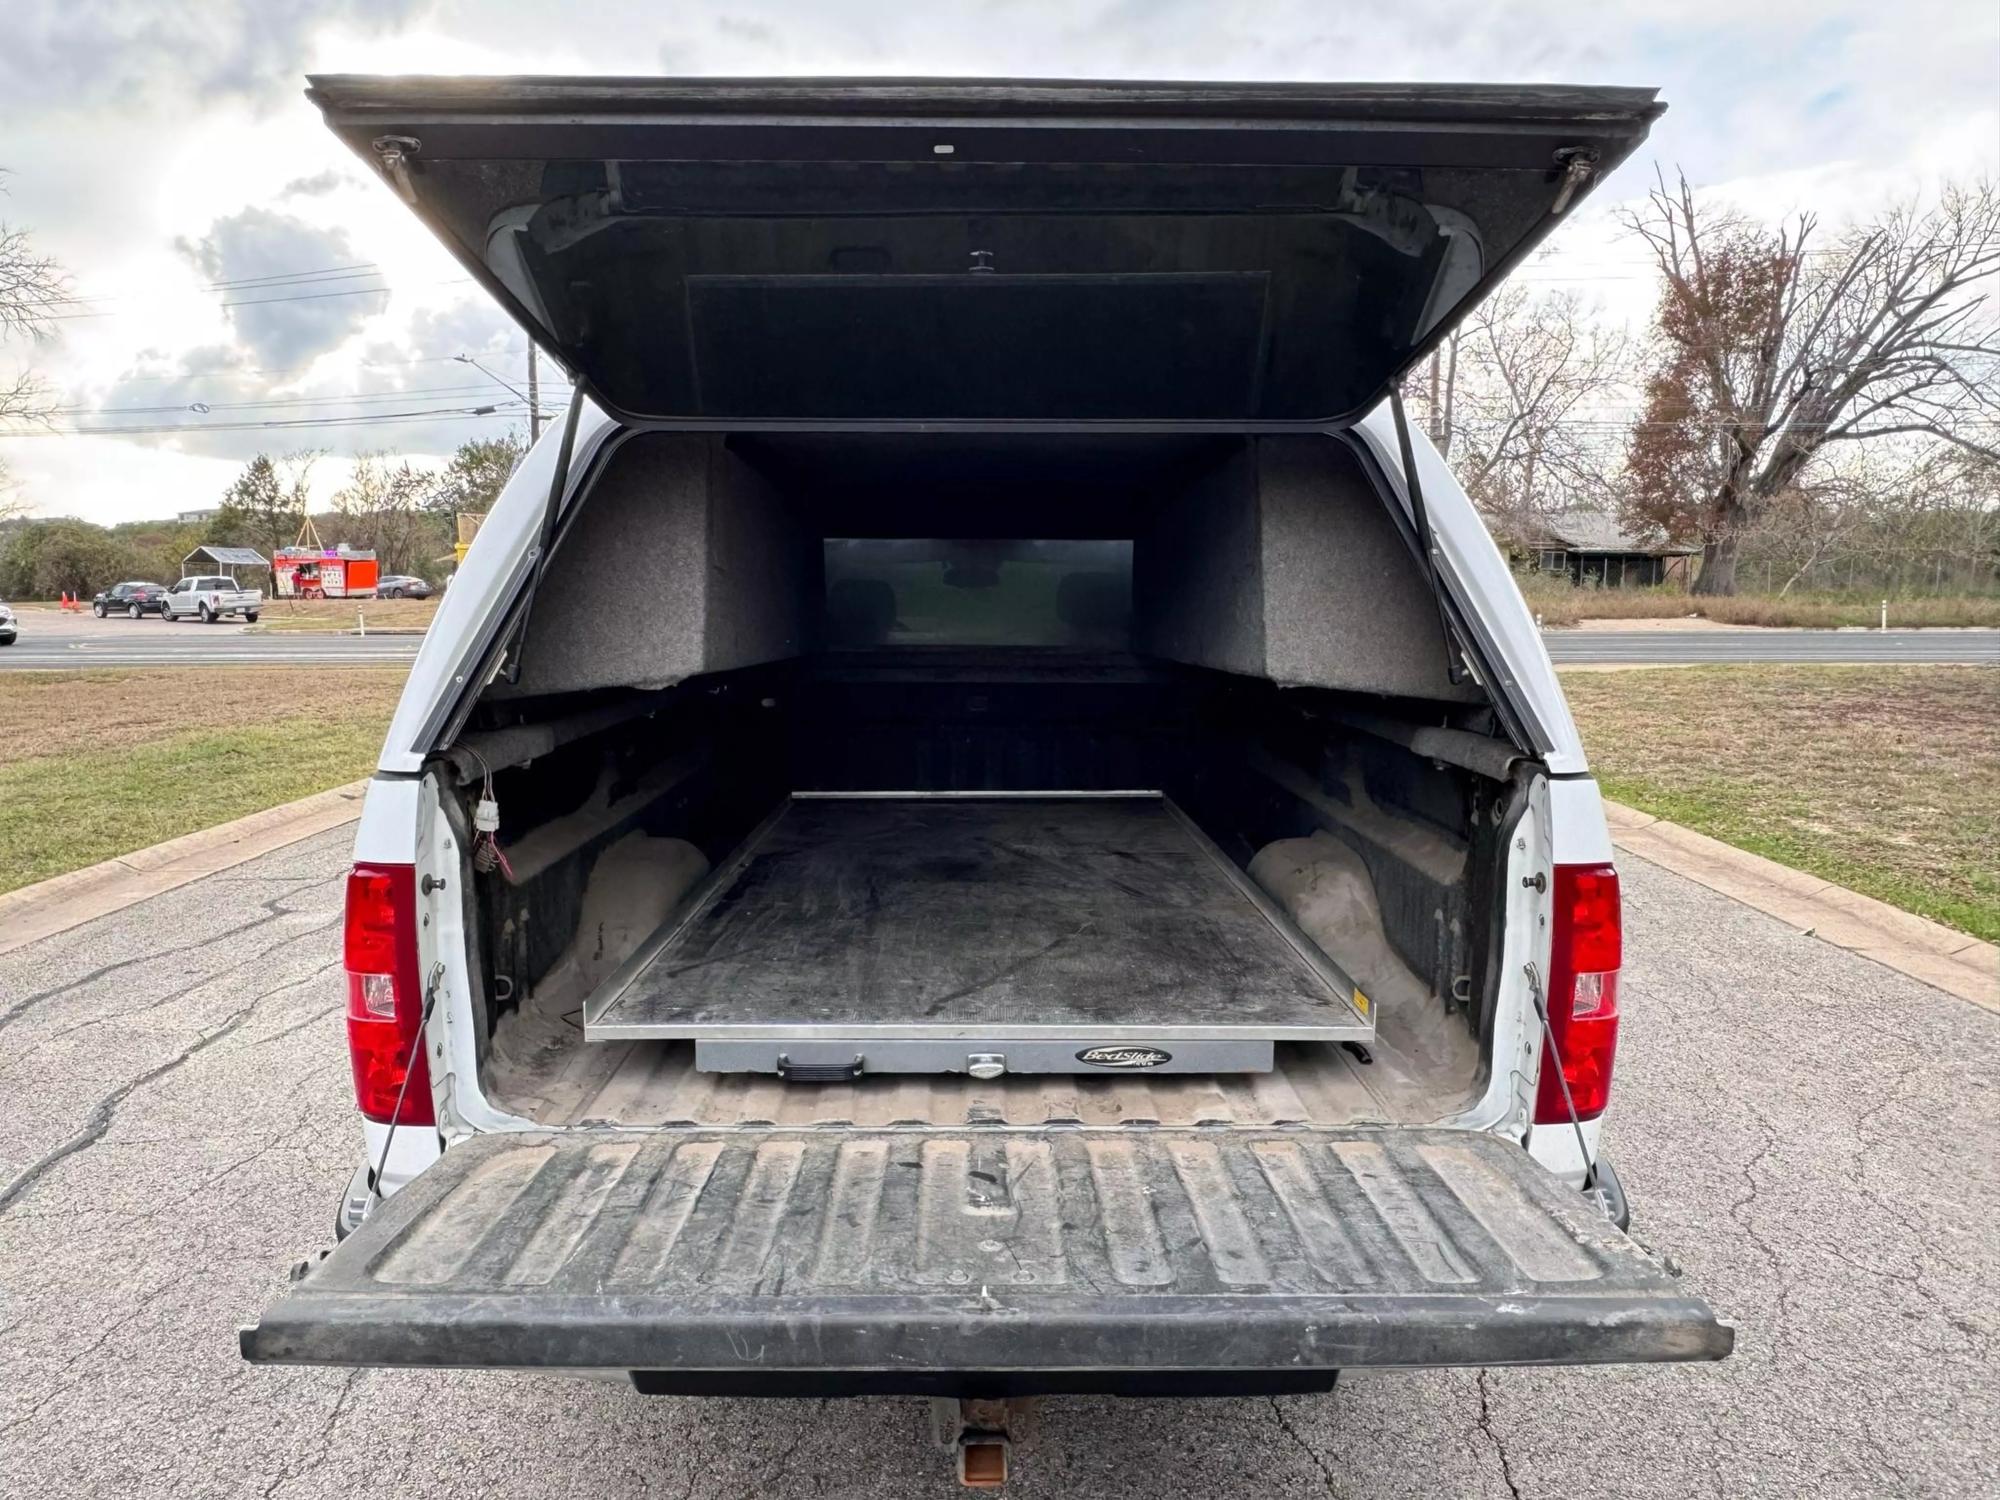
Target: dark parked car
{"x":8,"y":629}
{"x":134,"y":599}
{"x":402,"y":586}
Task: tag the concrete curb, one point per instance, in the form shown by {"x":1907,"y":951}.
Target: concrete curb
{"x":38,"y":911}
{"x":1938,"y":955}
{"x":316,"y":635}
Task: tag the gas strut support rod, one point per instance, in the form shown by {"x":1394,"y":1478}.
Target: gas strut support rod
{"x":1420,"y":517}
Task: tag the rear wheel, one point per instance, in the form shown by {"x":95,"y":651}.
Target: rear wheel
{"x":135,"y":612}
{"x":251,"y":617}
{"x":207,"y":615}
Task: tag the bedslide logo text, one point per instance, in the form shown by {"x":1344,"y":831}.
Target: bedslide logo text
{"x":1124,"y":1057}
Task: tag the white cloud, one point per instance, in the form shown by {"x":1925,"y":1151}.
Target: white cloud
{"x":260,"y":262}
{"x":134,"y":125}
{"x":165,"y":53}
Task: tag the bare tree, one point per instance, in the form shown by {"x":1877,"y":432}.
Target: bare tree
{"x":32,"y":286}
{"x":1772,"y":348}
{"x":1519,"y":379}
{"x":385,"y":506}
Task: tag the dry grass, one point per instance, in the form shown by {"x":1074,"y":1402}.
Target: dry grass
{"x":78,"y":713}
{"x":327,"y":615}
{"x":97,"y":764}
{"x":1882,"y":779}
{"x":1559,"y":603}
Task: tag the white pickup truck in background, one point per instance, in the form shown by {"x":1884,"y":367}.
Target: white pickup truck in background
{"x":208,"y":598}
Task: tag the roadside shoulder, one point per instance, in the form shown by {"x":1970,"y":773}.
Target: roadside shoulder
{"x":66,"y":901}
{"x":1953,"y":961}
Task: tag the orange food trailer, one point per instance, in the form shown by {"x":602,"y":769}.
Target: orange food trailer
{"x":324,"y":573}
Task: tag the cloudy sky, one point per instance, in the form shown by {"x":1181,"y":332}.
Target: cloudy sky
{"x":225,"y":251}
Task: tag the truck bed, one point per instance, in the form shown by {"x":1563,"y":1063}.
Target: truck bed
{"x":911,"y":933}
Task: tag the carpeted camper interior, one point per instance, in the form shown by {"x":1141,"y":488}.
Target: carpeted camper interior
{"x":1234,"y":625}
{"x":1270,"y":557}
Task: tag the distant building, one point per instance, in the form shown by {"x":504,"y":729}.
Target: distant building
{"x":1595,"y":547}
{"x":206,"y":513}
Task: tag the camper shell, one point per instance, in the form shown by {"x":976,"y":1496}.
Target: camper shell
{"x":983,"y":818}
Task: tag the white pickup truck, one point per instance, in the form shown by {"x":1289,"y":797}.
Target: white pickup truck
{"x":1080,"y":877}
{"x":209,"y":598}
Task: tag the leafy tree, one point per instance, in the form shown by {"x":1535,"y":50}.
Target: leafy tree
{"x":46,"y":558}
{"x":472,"y":481}
{"x":266,"y":504}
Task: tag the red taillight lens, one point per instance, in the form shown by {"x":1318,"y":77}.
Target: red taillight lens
{"x":384,"y":1003}
{"x":1586,"y":951}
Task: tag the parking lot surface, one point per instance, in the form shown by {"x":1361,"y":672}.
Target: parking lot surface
{"x":1815,"y":1140}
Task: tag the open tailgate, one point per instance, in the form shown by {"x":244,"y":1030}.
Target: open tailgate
{"x":1050,"y":1260}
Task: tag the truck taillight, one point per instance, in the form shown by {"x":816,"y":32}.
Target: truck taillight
{"x":1586,"y":950}
{"x":384,"y":1003}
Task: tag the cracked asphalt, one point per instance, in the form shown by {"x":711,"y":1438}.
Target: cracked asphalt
{"x":1814,"y":1139}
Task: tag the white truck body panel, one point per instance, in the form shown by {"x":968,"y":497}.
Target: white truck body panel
{"x":485,"y":583}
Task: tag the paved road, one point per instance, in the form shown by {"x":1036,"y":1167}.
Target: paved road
{"x":1812,"y":1136}
{"x":53,"y":640}
{"x":49,"y":639}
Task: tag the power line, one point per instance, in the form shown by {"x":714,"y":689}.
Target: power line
{"x":324,"y":273}
{"x":274,"y":281}
{"x":319,"y":400}
{"x":440,"y":413}
{"x":365,"y":291}
{"x":378,"y":364}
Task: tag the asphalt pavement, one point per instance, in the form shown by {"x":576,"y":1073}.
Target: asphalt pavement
{"x":1812,"y":1137}
{"x":50,"y":640}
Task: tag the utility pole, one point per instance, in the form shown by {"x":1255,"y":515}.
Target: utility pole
{"x":534,"y":397}
{"x":1441,"y":403}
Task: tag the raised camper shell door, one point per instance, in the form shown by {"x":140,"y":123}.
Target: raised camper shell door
{"x":804,"y":252}
{"x":912,"y":1261}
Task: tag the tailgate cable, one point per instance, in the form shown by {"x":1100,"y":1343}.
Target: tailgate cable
{"x":1555,"y":1057}
{"x":1421,"y":517}
{"x":409,"y":1066}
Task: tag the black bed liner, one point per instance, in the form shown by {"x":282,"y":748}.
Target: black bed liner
{"x":912,"y":930}
{"x":985,"y":1261}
